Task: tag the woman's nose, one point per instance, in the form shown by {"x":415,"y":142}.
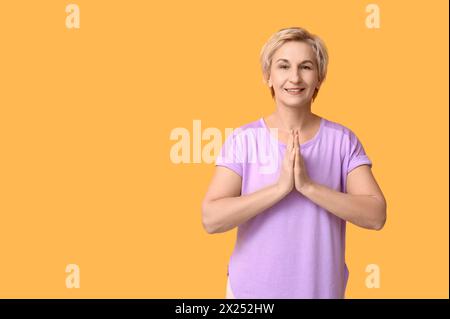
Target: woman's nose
{"x":295,"y":77}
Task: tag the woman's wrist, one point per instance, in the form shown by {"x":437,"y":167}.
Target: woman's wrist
{"x":281,"y":191}
{"x":306,"y":188}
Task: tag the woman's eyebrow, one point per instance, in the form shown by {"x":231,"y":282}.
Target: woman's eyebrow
{"x":305,"y":61}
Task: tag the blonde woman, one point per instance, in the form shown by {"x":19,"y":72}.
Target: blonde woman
{"x":291,"y":214}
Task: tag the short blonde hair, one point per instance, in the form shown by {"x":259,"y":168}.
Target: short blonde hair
{"x":294,"y":34}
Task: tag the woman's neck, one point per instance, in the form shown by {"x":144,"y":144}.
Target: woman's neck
{"x":292,"y":118}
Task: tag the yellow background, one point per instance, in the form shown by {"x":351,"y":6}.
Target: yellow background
{"x":85,"y":174}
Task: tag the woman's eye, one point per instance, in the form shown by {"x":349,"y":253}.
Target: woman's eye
{"x":286,"y":67}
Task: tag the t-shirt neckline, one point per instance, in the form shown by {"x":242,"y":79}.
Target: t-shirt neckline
{"x":307,"y":143}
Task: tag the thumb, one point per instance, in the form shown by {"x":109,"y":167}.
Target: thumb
{"x":297,"y":151}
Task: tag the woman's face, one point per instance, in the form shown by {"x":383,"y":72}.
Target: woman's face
{"x":294,"y":66}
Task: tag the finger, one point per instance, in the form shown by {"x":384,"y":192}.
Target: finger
{"x":293,"y":139}
{"x":291,"y":145}
{"x":290,"y":140}
{"x":300,"y":156}
{"x":297,"y":150}
{"x":296,"y":143}
{"x":295,"y":156}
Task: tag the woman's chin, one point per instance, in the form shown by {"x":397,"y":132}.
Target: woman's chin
{"x":297,"y":104}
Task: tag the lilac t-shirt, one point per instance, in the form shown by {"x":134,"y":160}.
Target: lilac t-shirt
{"x":294,"y":249}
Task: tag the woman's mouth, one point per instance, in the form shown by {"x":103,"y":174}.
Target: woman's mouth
{"x":295,"y":91}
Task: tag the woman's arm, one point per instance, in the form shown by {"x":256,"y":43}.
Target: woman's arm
{"x":363,"y":205}
{"x":225,"y":208}
{"x":223,"y":214}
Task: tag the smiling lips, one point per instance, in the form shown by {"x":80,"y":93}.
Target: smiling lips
{"x":295,"y":91}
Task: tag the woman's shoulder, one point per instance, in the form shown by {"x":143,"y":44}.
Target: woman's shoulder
{"x":338,"y":129}
{"x":249,"y":127}
{"x":340,"y":133}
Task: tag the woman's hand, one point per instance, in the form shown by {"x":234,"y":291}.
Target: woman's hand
{"x":301,"y":178}
{"x":286,"y":180}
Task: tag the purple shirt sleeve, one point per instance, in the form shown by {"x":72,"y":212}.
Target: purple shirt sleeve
{"x":356,"y":155}
{"x":230,"y":155}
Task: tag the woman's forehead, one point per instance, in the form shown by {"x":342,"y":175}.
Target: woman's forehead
{"x":294,"y":51}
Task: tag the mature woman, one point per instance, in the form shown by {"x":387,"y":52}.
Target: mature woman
{"x":291,"y":213}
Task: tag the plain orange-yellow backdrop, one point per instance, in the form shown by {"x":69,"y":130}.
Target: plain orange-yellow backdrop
{"x":86,"y":114}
